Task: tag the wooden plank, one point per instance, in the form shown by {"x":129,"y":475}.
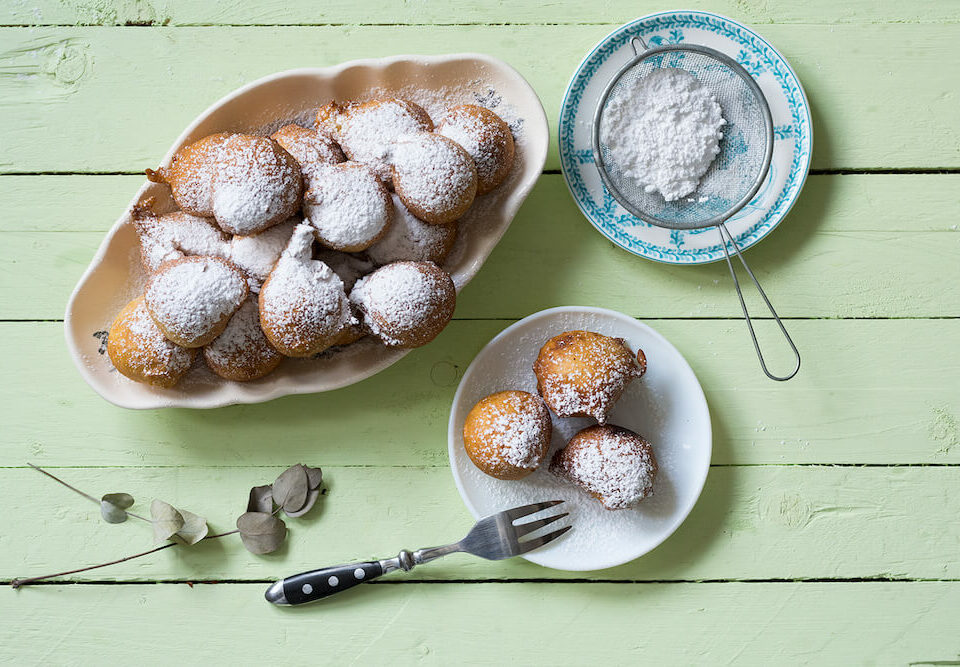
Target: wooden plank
{"x":877,"y":623}
{"x":754,"y":522}
{"x":117,"y":97}
{"x":850,"y":248}
{"x":870,"y":391}
{"x":305,"y":12}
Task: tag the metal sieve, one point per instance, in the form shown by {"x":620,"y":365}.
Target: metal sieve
{"x":733,"y":178}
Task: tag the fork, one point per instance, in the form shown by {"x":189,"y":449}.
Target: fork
{"x":494,"y":537}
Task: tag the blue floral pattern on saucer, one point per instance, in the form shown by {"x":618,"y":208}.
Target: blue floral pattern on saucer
{"x":793,"y":134}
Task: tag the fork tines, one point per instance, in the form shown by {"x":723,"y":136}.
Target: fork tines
{"x":523,"y":529}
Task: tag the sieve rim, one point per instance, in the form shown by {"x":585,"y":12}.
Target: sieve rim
{"x":768,"y":133}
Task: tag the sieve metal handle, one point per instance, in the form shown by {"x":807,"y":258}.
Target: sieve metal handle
{"x":724,"y":236}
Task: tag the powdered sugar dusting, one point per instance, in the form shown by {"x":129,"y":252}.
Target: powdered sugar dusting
{"x":145,"y":347}
{"x":242,"y":347}
{"x":486,"y":139}
{"x":612,"y":463}
{"x":189,"y":298}
{"x":368,"y":131}
{"x":513,"y":430}
{"x":663,"y":131}
{"x":401,"y":298}
{"x":348,"y":206}
{"x":176,"y":234}
{"x":312,"y":149}
{"x":410,"y":238}
{"x":303,"y":299}
{"x":433,"y":173}
{"x":257,"y":254}
{"x":190,"y":174}
{"x":582,"y":373}
{"x":256,"y":185}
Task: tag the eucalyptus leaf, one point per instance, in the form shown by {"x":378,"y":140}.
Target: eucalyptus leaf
{"x":194,"y":528}
{"x":311,"y":499}
{"x":314,"y":477}
{"x":113,"y":507}
{"x":166,"y":520}
{"x":261,"y":499}
{"x":261,"y":532}
{"x":291,"y":488}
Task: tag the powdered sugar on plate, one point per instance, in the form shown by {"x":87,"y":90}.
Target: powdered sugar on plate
{"x":666,"y":407}
{"x":663,"y":131}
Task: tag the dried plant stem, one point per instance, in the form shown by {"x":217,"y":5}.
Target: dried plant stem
{"x":17,"y":583}
{"x":82,"y":493}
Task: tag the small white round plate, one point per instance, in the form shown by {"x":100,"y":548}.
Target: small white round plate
{"x":666,"y":406}
{"x":792,"y":128}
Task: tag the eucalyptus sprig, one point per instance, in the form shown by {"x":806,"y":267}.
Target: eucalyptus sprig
{"x":294,"y":493}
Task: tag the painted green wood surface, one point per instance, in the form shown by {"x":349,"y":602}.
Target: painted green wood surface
{"x":525,"y":624}
{"x":871,"y":391}
{"x":752,"y":522}
{"x":821,"y":263}
{"x":827,"y":530}
{"x":118,"y":97}
{"x":307,"y":12}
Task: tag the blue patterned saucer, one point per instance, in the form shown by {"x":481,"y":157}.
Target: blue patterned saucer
{"x":793,"y":132}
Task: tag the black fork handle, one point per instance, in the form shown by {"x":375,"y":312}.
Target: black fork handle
{"x":318,"y":584}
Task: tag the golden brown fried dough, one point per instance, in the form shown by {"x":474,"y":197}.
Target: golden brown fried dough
{"x":582,"y":373}
{"x":140,"y":351}
{"x":614,"y":465}
{"x":507,"y":434}
{"x":487,"y":139}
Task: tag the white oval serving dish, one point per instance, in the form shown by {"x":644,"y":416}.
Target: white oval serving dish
{"x":436,"y":82}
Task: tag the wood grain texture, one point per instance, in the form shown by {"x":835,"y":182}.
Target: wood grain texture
{"x":755,"y":522}
{"x":852,"y":247}
{"x":870,"y":391}
{"x":307,"y":12}
{"x":118,"y":97}
{"x":874,"y":623}
{"x":874,"y":539}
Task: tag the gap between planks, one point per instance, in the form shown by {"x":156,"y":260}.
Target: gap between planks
{"x":444,"y":582}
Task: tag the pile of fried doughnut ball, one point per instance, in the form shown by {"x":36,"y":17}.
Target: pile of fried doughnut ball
{"x":507,"y":435}
{"x":311,"y":238}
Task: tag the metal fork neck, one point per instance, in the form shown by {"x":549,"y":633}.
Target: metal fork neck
{"x":407,"y":560}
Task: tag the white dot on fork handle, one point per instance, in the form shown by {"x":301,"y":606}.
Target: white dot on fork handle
{"x":333,"y":581}
{"x":359,"y":573}
{"x":307,"y":589}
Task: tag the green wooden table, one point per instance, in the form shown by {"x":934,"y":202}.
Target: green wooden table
{"x":828,"y":531}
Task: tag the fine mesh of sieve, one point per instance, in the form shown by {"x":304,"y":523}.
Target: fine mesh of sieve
{"x":734,"y":176}
{"x":746,"y":148}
